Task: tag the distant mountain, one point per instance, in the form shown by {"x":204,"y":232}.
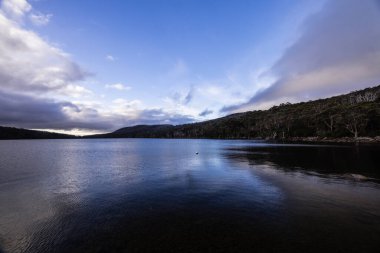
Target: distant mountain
{"x":352,"y":115}
{"x":139,"y":131}
{"x":10,"y":133}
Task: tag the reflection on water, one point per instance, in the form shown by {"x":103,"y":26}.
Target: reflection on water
{"x":143,"y":195}
{"x":355,"y":162}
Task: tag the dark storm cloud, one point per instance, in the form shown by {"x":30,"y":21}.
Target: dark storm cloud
{"x":188,"y":97}
{"x":338,"y":51}
{"x":15,"y":109}
{"x":29,"y":112}
{"x":205,"y":112}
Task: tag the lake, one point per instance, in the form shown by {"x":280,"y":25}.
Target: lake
{"x":144,"y":195}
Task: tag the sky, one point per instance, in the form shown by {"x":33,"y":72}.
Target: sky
{"x":93,"y":66}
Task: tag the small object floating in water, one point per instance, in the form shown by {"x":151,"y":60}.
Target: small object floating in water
{"x":196,"y":153}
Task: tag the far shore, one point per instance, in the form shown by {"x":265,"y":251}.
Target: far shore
{"x":334,"y":140}
{"x":310,"y":139}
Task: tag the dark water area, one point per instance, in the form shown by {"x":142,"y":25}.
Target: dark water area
{"x":148,"y":195}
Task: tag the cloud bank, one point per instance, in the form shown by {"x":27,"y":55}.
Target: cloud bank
{"x":338,"y":51}
{"x":30,"y":64}
{"x":40,"y":83}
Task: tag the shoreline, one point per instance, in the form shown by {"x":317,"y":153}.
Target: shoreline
{"x":316,"y":139}
{"x":310,"y":139}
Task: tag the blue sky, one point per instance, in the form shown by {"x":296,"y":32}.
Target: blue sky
{"x":94,"y":66}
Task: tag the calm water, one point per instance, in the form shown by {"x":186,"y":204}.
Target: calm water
{"x":138,"y":195}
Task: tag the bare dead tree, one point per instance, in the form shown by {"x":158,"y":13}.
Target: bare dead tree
{"x":330,"y":122}
{"x":355,"y":122}
{"x":352,"y":127}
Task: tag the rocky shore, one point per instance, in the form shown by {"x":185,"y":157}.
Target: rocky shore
{"x":335,"y":140}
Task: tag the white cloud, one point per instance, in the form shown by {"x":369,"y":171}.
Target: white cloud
{"x":118,"y":86}
{"x":40,"y":19}
{"x":222,"y":92}
{"x":110,"y":57}
{"x":127,"y":103}
{"x":127,"y":108}
{"x":202,"y":99}
{"x":15,"y":8}
{"x":29,"y":64}
{"x":76,"y":91}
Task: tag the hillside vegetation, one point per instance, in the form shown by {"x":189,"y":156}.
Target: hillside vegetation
{"x":352,"y":115}
{"x":8,"y":133}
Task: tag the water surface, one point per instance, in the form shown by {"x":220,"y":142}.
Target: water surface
{"x":136,"y":195}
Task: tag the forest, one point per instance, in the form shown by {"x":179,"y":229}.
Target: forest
{"x":11,"y":133}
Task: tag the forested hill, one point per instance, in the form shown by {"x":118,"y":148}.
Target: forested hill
{"x":352,"y":115}
{"x":10,"y":133}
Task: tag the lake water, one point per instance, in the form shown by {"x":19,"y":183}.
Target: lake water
{"x":139,"y":195}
